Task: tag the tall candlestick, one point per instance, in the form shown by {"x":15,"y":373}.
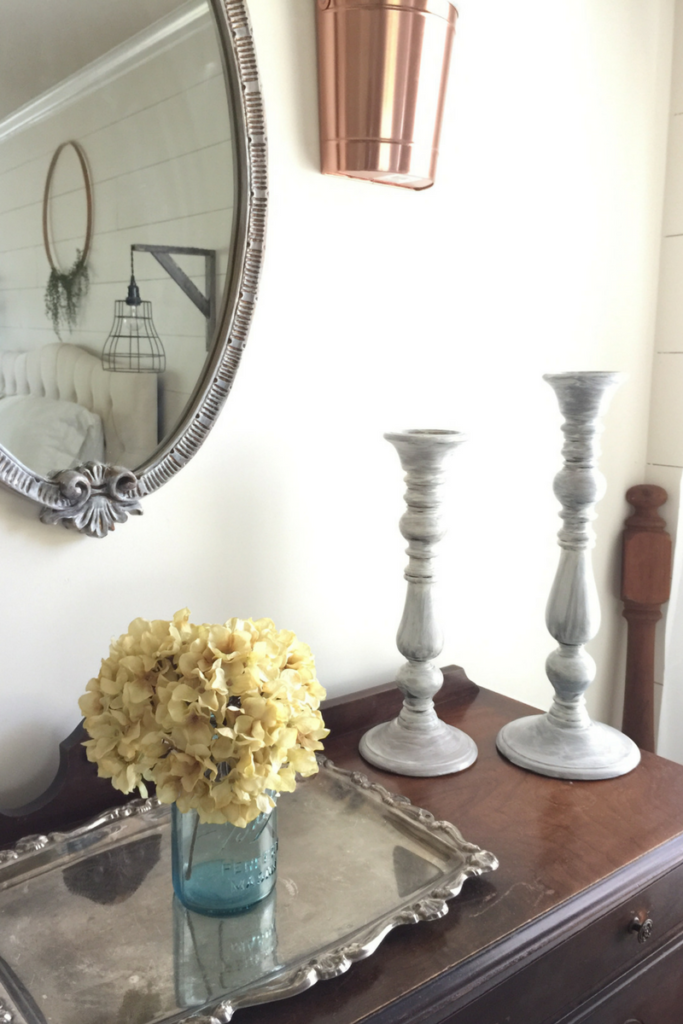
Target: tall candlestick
{"x":566,"y":743}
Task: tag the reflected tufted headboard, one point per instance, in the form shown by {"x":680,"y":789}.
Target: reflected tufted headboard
{"x":125,"y":402}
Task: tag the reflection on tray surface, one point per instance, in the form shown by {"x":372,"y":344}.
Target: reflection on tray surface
{"x":214,"y":956}
{"x":114,"y":875}
{"x":412,"y":871}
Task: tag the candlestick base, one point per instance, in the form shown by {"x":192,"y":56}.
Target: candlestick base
{"x":542,"y":745}
{"x":436,"y":749}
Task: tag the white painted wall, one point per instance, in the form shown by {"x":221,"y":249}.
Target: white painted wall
{"x":536,"y":251}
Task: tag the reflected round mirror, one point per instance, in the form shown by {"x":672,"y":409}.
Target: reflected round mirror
{"x":132,"y":208}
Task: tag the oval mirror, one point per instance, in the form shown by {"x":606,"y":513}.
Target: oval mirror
{"x":132,"y":212}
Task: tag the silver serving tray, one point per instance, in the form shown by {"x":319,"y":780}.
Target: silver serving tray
{"x":90,"y":932}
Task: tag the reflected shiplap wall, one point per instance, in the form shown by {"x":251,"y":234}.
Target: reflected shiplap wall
{"x":158,"y":142}
{"x":536,"y":251}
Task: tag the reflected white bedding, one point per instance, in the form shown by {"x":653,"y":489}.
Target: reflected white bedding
{"x":125,"y":403}
{"x":49,"y":435}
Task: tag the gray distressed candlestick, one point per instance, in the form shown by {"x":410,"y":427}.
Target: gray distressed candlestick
{"x":566,"y":743}
{"x":418,"y":742}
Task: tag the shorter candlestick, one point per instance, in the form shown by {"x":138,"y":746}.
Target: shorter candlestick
{"x":418,"y":742}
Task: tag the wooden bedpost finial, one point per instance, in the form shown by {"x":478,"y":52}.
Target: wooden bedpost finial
{"x":645,"y":587}
{"x":646,"y":499}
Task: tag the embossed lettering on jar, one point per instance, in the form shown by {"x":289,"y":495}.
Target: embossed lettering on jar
{"x":222,"y":869}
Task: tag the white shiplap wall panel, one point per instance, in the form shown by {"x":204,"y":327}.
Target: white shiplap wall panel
{"x":670,"y":308}
{"x":666,"y":421}
{"x":665,"y":439}
{"x":142,"y":87}
{"x":673,"y":200}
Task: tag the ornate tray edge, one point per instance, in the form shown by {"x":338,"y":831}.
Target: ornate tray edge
{"x":338,"y":960}
{"x":332,"y":962}
{"x":29,"y":845}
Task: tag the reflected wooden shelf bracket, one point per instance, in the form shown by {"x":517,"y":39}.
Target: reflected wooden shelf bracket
{"x":206,"y":304}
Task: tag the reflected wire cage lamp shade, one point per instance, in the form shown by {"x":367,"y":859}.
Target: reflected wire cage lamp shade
{"x":382,"y":76}
{"x":133,"y":345}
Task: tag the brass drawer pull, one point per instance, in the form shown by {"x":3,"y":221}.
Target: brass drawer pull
{"x":643,"y":929}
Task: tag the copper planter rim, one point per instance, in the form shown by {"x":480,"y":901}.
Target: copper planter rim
{"x":441,"y":8}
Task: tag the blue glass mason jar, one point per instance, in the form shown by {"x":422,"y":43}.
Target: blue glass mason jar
{"x":222,"y":869}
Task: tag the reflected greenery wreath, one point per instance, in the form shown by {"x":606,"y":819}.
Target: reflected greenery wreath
{"x":66,"y":289}
{"x":65,"y":292}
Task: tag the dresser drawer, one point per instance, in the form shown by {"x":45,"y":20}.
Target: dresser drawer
{"x":651,"y":994}
{"x":571,"y":973}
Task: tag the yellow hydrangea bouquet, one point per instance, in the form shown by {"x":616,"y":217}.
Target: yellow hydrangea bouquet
{"x":220,"y":718}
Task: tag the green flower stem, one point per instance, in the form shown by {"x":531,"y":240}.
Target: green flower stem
{"x":188,"y":869}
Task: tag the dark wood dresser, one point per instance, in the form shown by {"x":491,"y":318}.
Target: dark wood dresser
{"x":561,"y":932}
{"x":581,"y":924}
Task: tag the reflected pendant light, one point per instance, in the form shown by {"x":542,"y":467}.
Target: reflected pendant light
{"x":133,"y":345}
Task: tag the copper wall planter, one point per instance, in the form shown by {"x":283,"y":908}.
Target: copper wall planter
{"x":382,"y":73}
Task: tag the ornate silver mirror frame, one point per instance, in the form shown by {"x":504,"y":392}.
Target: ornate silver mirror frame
{"x":95,"y":497}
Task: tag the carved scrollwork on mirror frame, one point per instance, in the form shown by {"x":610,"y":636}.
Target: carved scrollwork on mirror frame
{"x":94,"y":497}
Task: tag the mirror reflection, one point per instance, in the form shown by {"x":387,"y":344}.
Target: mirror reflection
{"x":116,"y":221}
